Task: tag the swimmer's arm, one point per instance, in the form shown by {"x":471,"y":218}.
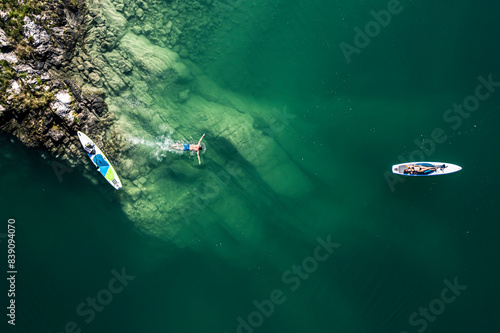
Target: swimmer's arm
{"x":198,"y":153}
{"x":201,"y":139}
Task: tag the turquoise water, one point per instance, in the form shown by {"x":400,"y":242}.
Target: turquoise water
{"x":342,"y":125}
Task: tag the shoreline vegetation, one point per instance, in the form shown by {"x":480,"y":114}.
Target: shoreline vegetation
{"x":38,"y":105}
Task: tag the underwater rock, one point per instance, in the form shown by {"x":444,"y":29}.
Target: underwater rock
{"x":113,"y":17}
{"x":88,"y":66}
{"x":96,"y":79}
{"x":183,"y":169}
{"x":184,"y":95}
{"x":110,"y":36}
{"x":113,"y":80}
{"x":128,"y":13}
{"x":96,"y":104}
{"x":147,"y":29}
{"x":99,"y":20}
{"x":140,"y":91}
{"x":132,"y":191}
{"x":154,"y":60}
{"x":55,"y":134}
{"x":78,"y":60}
{"x":105,"y":46}
{"x":136,"y":30}
{"x":112,"y":58}
{"x":125,"y":66}
{"x":184,"y":53}
{"x":142,"y":4}
{"x":168,"y":27}
{"x":99,"y":62}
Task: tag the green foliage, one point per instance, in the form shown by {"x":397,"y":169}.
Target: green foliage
{"x":15,"y":33}
{"x":31,"y":97}
{"x":4,"y":84}
{"x":4,"y":63}
{"x":32,"y":100}
{"x":28,"y":98}
{"x":13,"y":26}
{"x":7,"y":72}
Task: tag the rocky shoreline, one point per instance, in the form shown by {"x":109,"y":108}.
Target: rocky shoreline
{"x":38,"y":104}
{"x":59,"y":60}
{"x":130,"y":74}
{"x":71,"y":65}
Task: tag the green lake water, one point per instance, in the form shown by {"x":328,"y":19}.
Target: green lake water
{"x":398,"y":246}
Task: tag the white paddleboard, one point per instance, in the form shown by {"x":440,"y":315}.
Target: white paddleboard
{"x":100,"y":160}
{"x":424,"y":168}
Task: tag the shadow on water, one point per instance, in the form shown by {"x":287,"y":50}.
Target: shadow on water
{"x":246,"y":181}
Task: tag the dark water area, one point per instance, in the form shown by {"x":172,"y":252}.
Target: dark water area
{"x":412,"y":255}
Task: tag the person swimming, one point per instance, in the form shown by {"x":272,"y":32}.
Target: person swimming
{"x":188,"y":147}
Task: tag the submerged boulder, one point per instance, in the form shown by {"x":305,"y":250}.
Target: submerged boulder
{"x":154,"y":60}
{"x":113,"y":79}
{"x":96,"y":79}
{"x":55,"y":134}
{"x":125,"y":66}
{"x":184,"y":95}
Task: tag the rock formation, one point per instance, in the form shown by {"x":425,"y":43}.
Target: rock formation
{"x":37,"y":104}
{"x":133,"y":80}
